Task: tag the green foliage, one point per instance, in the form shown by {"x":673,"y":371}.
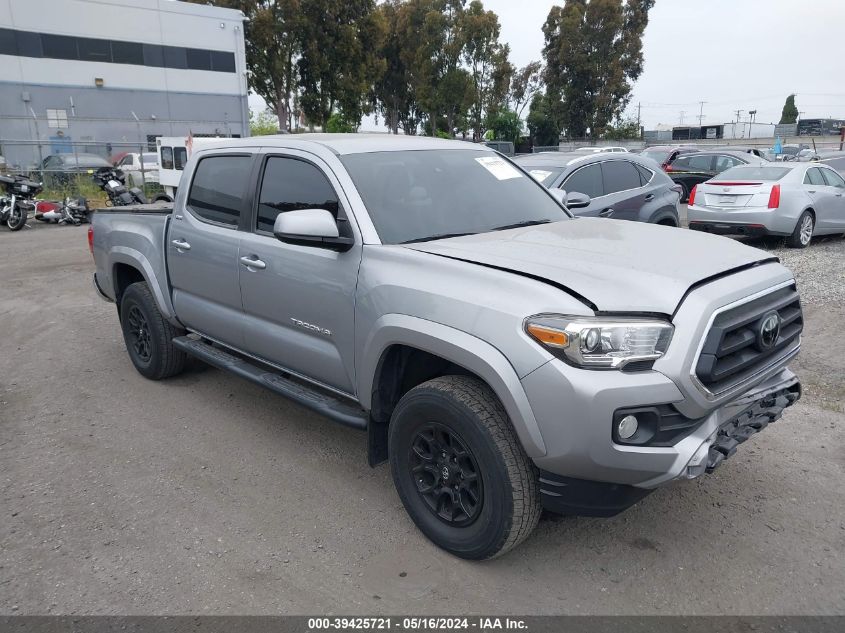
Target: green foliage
{"x":338,"y":123}
{"x":541,"y":121}
{"x":263,"y":123}
{"x":790,"y":111}
{"x":623,"y":129}
{"x":505,"y":125}
{"x":593,"y":52}
{"x":525,"y":83}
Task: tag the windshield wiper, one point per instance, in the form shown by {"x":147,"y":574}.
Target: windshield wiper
{"x":519,"y":225}
{"x":441,"y":236}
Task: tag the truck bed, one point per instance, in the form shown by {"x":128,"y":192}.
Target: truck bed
{"x":153,"y":208}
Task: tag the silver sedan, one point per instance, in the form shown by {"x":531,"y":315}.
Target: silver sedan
{"x":794,"y":200}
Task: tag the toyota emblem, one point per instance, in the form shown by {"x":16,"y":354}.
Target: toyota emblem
{"x":768,"y":331}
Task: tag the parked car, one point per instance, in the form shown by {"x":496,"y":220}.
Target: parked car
{"x":503,"y":147}
{"x":599,"y":150}
{"x":59,"y":169}
{"x":760,"y":152}
{"x":500,"y":354}
{"x":131,"y":163}
{"x":621,"y":186}
{"x":689,"y":170}
{"x":665,"y":154}
{"x":792,"y":199}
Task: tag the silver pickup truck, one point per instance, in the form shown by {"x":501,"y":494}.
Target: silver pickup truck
{"x":502,"y":355}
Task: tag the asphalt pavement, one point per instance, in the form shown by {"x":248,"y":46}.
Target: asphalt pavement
{"x":205,"y":495}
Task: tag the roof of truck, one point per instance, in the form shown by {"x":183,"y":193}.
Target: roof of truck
{"x":354,"y":143}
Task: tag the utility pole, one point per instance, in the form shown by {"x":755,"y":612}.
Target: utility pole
{"x":738,"y":114}
{"x":701,"y":112}
{"x":639,"y":107}
{"x":683,"y":112}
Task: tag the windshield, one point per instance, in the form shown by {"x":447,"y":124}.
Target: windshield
{"x":752,"y":173}
{"x":659,"y":156}
{"x":543,"y":173}
{"x":417,"y":195}
{"x":149,"y":158}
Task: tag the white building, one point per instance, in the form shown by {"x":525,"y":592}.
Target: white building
{"x":101,"y":73}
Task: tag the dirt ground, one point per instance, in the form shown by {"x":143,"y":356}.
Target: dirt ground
{"x":203,"y":494}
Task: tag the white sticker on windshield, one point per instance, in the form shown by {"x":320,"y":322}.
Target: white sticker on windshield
{"x":498,"y":167}
{"x":539,"y":174}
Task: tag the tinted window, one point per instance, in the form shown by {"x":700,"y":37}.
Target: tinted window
{"x":693,"y":162}
{"x":198,"y":59}
{"x":94,"y":50}
{"x":620,"y":175}
{"x":127,"y":53}
{"x":746,"y":172}
{"x":167,"y":158}
{"x":726,"y":162}
{"x":175,"y":57}
{"x":7,"y":42}
{"x":586,"y":180}
{"x":833,"y":179}
{"x":59,"y":47}
{"x":180,"y":157}
{"x":153,"y":55}
{"x":416,"y":195}
{"x":218,"y":187}
{"x":290,"y":184}
{"x":645,"y":174}
{"x":814,"y":177}
{"x":222,"y":61}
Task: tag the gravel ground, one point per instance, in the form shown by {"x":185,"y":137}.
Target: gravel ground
{"x":204,"y":494}
{"x":819,"y":269}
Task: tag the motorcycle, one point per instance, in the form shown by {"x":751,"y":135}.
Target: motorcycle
{"x":113,"y":182}
{"x":18,"y":201}
{"x":70,"y":211}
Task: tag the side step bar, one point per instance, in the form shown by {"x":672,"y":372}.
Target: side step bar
{"x":316,"y":400}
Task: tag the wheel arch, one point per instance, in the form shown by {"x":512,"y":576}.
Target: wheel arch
{"x":403,"y":351}
{"x":128,"y":266}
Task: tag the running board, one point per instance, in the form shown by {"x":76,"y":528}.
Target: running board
{"x":315,"y":399}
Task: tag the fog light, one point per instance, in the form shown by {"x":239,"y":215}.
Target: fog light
{"x":627,"y":426}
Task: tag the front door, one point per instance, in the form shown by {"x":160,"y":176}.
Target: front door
{"x":299,"y":301}
{"x":202,"y":248}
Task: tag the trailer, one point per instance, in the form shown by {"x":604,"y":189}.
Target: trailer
{"x":173,"y":153}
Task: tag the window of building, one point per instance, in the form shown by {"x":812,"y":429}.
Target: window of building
{"x":198,"y":59}
{"x":290,"y":184}
{"x":60,"y":46}
{"x":7,"y":42}
{"x":217,"y":190}
{"x":175,"y":57}
{"x":127,"y":53}
{"x":57,"y":119}
{"x":222,"y":61}
{"x":92,"y":50}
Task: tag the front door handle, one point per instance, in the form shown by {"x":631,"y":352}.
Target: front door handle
{"x":253,"y":262}
{"x":606,"y":213}
{"x":181,"y":245}
{"x":811,"y":191}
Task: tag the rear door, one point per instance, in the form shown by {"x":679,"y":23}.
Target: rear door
{"x":824,"y":199}
{"x":202,"y":246}
{"x":835,"y":180}
{"x":299,"y":303}
{"x":623,"y":189}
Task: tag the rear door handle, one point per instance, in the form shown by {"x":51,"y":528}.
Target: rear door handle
{"x":649,"y":197}
{"x":606,"y":213}
{"x":181,"y":245}
{"x":253,"y":263}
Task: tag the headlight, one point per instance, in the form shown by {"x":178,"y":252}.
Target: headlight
{"x":601,"y":342}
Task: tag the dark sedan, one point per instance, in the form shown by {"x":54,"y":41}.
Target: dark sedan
{"x":59,"y":169}
{"x":665,"y":154}
{"x":689,"y":170}
{"x":620,"y":185}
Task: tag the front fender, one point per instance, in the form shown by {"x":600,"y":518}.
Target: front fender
{"x":456,"y":346}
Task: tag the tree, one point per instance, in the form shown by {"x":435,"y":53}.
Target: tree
{"x":525,"y":83}
{"x":790,"y":111}
{"x":337,"y":123}
{"x":593,"y":51}
{"x":623,"y":129}
{"x":542,"y":124}
{"x":505,"y":125}
{"x":263,"y":123}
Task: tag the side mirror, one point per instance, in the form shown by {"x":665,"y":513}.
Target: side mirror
{"x":314,"y":227}
{"x":559,"y":195}
{"x":577,"y":200}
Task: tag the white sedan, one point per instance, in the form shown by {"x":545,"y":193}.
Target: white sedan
{"x":795,"y":200}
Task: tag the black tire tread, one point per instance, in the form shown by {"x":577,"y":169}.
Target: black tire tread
{"x":173,"y":359}
{"x":523,"y":475}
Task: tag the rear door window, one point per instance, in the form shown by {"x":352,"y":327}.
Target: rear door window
{"x":290,"y":184}
{"x":620,"y":175}
{"x":645,"y":174}
{"x":814,"y":177}
{"x":218,"y":188}
{"x":586,"y":180}
{"x":833,"y":179}
{"x":726,"y":162}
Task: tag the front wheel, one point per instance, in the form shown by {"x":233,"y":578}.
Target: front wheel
{"x":460,"y":470}
{"x":17,"y":218}
{"x":803,"y":233}
{"x":148,"y":335}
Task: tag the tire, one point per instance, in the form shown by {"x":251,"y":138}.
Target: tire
{"x":484,"y":459}
{"x":803,"y":233}
{"x":17,"y":218}
{"x":684,"y":193}
{"x":148,"y":335}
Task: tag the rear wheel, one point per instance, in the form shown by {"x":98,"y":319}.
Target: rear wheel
{"x":803,"y":233}
{"x":460,"y":470}
{"x":148,"y":335}
{"x":17,"y":218}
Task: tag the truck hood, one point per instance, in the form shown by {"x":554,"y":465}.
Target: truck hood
{"x":617,"y":266}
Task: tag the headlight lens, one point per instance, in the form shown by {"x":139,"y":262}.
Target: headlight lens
{"x":601,"y":342}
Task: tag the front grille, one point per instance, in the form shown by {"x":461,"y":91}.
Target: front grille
{"x":734,"y":349}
